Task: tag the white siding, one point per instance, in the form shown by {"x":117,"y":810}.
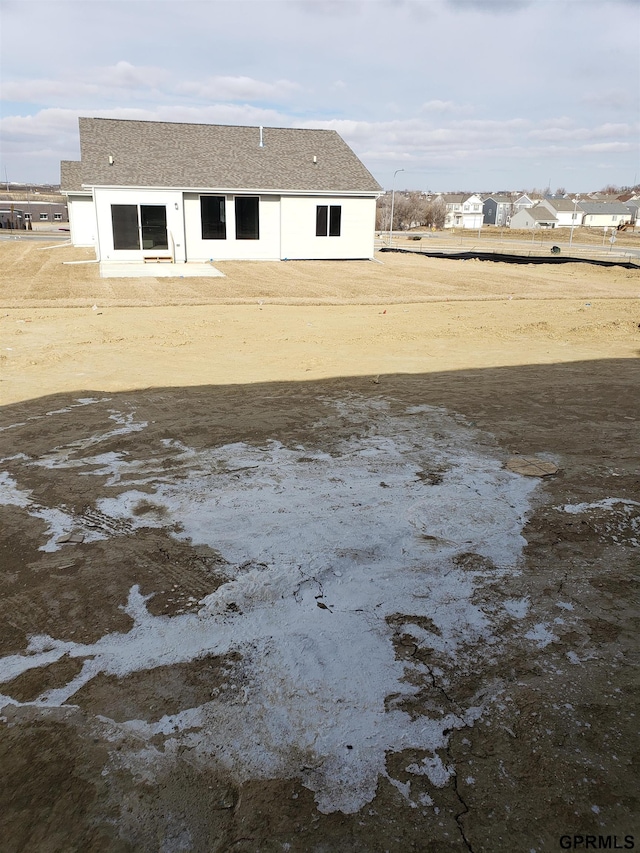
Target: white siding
{"x":605,"y":220}
{"x":264,"y":249}
{"x":357,"y":230}
{"x":82,"y":220}
{"x":522,"y":219}
{"x":287,"y":227}
{"x":171,"y":199}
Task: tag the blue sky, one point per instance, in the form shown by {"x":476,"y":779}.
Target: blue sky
{"x":461,"y":94}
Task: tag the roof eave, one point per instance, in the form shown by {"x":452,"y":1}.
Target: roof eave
{"x":231,"y":190}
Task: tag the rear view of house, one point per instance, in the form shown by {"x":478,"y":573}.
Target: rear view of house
{"x":197,"y":192}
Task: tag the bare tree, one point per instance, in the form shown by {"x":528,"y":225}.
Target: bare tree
{"x":383,"y":210}
{"x":410,"y":210}
{"x":416,"y":209}
{"x":435,"y":213}
{"x":402,"y":212}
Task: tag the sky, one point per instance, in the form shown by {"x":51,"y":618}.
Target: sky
{"x":462,"y":95}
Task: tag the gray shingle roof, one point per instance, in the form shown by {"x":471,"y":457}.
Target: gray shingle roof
{"x":70,"y":175}
{"x":606,"y":207}
{"x":205,"y":156}
{"x":541,"y":214}
{"x":455,"y":198}
{"x":563,"y":204}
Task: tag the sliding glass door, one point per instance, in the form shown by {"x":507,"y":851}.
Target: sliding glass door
{"x":138,"y":227}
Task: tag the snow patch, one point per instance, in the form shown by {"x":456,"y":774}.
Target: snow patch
{"x":325,"y":553}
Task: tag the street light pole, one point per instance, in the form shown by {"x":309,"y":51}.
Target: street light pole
{"x":573,"y":221}
{"x":393,"y":191}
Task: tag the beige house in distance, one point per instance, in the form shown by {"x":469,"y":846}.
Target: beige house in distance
{"x":605,"y":214}
{"x":147,"y":190}
{"x":533,"y":217}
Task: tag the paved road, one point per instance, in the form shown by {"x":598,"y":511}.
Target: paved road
{"x":35,"y":236}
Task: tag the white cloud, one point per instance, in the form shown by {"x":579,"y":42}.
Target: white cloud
{"x":618,"y":147}
{"x":48,"y":91}
{"x":445,"y":107}
{"x":237,"y":88}
{"x":130,"y":82}
{"x":127,"y":76}
{"x":42,"y":125}
{"x":565,"y":134}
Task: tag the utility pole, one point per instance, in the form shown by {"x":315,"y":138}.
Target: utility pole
{"x":393,"y":191}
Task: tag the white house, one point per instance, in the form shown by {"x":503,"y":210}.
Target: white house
{"x":463,"y":211}
{"x":197,"y":192}
{"x":522,"y":202}
{"x":565,"y":210}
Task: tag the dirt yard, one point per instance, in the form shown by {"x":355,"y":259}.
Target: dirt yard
{"x":272,"y":580}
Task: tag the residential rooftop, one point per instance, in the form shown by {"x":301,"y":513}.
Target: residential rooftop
{"x":120,"y":152}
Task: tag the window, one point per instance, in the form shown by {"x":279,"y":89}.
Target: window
{"x":213,"y":217}
{"x":247,"y":218}
{"x":328,"y":220}
{"x":57,"y":217}
{"x":322,"y":212}
{"x":124,"y":220}
{"x":27,"y":217}
{"x":44,"y":216}
{"x":335,"y":217}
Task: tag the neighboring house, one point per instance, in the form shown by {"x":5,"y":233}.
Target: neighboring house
{"x":609,"y":214}
{"x":533,"y":217}
{"x":521,"y":203}
{"x":602,"y":198}
{"x":634,"y":209}
{"x":463,"y":211}
{"x":497,"y":209}
{"x":565,"y":210}
{"x":197,"y":192}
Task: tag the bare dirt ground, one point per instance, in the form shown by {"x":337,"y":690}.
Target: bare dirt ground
{"x":312,"y":609}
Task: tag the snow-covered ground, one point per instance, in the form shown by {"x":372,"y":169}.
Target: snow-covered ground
{"x":321,"y":546}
